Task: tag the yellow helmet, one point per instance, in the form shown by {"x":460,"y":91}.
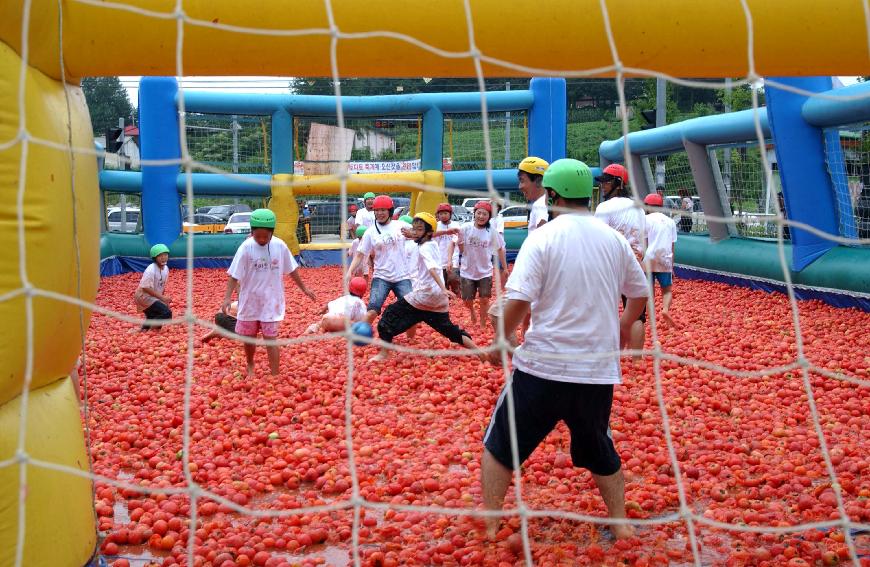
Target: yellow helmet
{"x":533,"y":165}
{"x":428,"y":219}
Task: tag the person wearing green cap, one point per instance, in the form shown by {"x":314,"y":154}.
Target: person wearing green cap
{"x":569,"y":273}
{"x":149,"y":296}
{"x":366,"y":216}
{"x":258,"y":270}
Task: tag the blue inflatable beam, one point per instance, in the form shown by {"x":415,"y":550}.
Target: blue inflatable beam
{"x":159,"y":136}
{"x":800,"y":156}
{"x":548,"y":119}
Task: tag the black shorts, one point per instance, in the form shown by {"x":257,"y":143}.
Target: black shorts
{"x":226,"y":322}
{"x":157,"y":310}
{"x":642,"y":317}
{"x":539,"y":405}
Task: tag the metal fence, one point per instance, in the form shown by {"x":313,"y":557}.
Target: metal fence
{"x":673,"y":173}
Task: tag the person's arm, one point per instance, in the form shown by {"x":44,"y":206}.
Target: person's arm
{"x":232,"y":284}
{"x":515,"y":312}
{"x":153,"y":293}
{"x":450,"y":250}
{"x":357,"y":259}
{"x":294,"y":275}
{"x":436,"y":275}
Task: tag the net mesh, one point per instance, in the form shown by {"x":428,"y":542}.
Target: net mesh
{"x":751,"y":202}
{"x":751,"y":195}
{"x":233,"y":143}
{"x":674,"y":173}
{"x":463,"y":144}
{"x":850,"y":154}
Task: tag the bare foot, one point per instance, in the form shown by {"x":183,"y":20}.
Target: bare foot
{"x":492,"y":523}
{"x":250,"y":370}
{"x":207,"y":337}
{"x":669,"y":320}
{"x":380,"y":357}
{"x":622,"y":531}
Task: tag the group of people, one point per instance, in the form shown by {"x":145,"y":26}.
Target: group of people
{"x":566,"y":284}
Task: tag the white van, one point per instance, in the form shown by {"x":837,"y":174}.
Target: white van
{"x":114,"y":220}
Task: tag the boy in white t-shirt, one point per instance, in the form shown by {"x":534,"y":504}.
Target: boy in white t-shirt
{"x":620,"y":213}
{"x":478,"y":242}
{"x":429,"y":301}
{"x":446,"y":239}
{"x":345,"y":308}
{"x":258,"y":270}
{"x":366,"y":216}
{"x":149,"y":295}
{"x":530,"y":172}
{"x":661,"y":235}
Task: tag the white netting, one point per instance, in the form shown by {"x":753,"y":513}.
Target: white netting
{"x":850,"y":172}
{"x":234,"y":143}
{"x":746,"y":200}
{"x":463,"y":147}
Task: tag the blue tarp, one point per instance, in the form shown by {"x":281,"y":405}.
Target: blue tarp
{"x":832,"y":297}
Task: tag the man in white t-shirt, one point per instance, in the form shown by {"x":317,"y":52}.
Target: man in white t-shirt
{"x":385,"y":242}
{"x":366,"y":216}
{"x":569,"y":273}
{"x":447,"y":247}
{"x":257,"y":271}
{"x":530,"y":172}
{"x":661,"y":235}
{"x":619,"y":211}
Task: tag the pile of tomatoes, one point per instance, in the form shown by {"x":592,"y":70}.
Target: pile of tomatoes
{"x":746,"y":449}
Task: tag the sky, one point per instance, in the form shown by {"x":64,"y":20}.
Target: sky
{"x":275,"y":85}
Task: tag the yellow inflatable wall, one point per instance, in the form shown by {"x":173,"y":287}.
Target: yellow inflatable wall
{"x":60,"y":527}
{"x":286,"y":188}
{"x":683,"y":38}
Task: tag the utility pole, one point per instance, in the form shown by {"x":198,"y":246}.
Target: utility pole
{"x":661,"y":120}
{"x":507,"y":132}
{"x":124,"y":167}
{"x":726,"y":158}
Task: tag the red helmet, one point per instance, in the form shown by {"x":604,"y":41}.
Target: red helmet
{"x":653,"y":199}
{"x":616,"y":170}
{"x":353,"y":208}
{"x":382,"y":202}
{"x":444,"y":207}
{"x":358,"y":286}
{"x":485,"y":205}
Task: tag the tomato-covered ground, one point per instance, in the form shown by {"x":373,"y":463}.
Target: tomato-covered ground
{"x":746,"y":447}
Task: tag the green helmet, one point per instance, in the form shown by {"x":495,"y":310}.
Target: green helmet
{"x":262,"y":218}
{"x":368,"y":195}
{"x":406,"y":218}
{"x":159,"y":249}
{"x":569,"y":178}
{"x":360,"y":230}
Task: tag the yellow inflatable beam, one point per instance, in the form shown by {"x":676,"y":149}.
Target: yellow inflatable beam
{"x":683,"y":38}
{"x":59,"y":520}
{"x":286,"y":188}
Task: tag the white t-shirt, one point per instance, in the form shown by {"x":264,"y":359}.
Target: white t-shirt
{"x":411,"y":254}
{"x":444,"y":241}
{"x":349,"y":306}
{"x":260,"y":271}
{"x":387,"y":245}
{"x":628,"y":220}
{"x":478,"y":246}
{"x":427,"y":294}
{"x":365,"y":217}
{"x":661,"y":233}
{"x":572,"y":271}
{"x":538,"y":212}
{"x":153,"y":278}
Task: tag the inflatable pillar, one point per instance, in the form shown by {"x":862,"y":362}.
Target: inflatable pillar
{"x":548,"y":119}
{"x":61,"y":247}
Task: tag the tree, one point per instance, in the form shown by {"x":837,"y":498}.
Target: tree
{"x":107,"y":102}
{"x":351,"y":86}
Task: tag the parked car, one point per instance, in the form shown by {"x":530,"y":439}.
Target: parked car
{"x":399,"y":211}
{"x":471,"y":201}
{"x":239,"y":223}
{"x":205,"y":223}
{"x":515,"y":216}
{"x":326,"y":216}
{"x":461,"y":214}
{"x":226,"y":211}
{"x":115,"y":218}
{"x":203,"y":210}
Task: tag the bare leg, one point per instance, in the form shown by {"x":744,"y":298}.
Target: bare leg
{"x":484,"y":307}
{"x":495,"y":478}
{"x":469,"y":304}
{"x":637,"y":337}
{"x":412,"y":332}
{"x":274,"y":357}
{"x":381,"y":356}
{"x":208,"y":336}
{"x":249,"y":358}
{"x":612,"y":489}
{"x":667,"y":295}
{"x":371,"y":316}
